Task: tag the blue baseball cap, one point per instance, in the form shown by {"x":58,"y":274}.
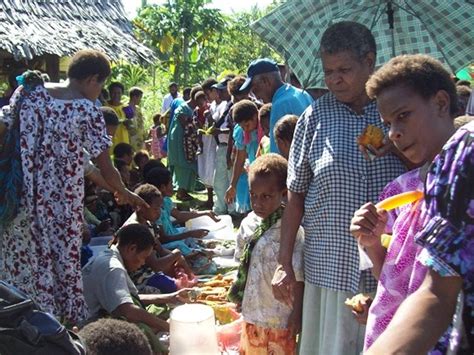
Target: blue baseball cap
{"x":258,"y":66}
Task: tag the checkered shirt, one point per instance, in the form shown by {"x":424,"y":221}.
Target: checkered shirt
{"x":326,"y":165}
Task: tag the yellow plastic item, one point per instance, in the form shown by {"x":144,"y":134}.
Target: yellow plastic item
{"x":399,"y":200}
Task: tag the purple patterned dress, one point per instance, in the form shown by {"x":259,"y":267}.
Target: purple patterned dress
{"x":401,"y":273}
{"x":448,"y":237}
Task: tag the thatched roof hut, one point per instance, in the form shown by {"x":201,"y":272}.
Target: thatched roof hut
{"x":58,"y":28}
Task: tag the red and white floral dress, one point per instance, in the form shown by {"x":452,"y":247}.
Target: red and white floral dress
{"x":42,"y":246}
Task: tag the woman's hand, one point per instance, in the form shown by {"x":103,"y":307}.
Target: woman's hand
{"x":283,"y":284}
{"x":230,"y":194}
{"x":368,"y":224}
{"x":126,"y":197}
{"x":361,"y":318}
{"x":370,"y":153}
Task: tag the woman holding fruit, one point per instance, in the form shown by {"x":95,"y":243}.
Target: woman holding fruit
{"x":328,"y":179}
{"x":417,"y":100}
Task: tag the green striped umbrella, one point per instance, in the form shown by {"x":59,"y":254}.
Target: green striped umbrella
{"x":443,"y":29}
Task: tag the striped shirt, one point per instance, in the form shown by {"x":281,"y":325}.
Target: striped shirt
{"x":326,"y":165}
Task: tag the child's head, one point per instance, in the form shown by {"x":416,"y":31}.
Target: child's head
{"x":417,"y":99}
{"x":194,"y":91}
{"x":112,"y":336}
{"x":200,"y":99}
{"x":124,"y":170}
{"x":135,"y":242}
{"x":267,"y":183}
{"x":464,"y":93}
{"x":124,"y":151}
{"x":161,"y":178}
{"x":111,"y":120}
{"x":141,"y":158}
{"x":157,"y":119}
{"x":264,"y":116}
{"x":245,"y":113}
{"x":135,"y":94}
{"x":152,"y":163}
{"x":283,"y":131}
{"x":151,"y":195}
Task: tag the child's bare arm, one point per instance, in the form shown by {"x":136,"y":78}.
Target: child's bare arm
{"x":184,"y":216}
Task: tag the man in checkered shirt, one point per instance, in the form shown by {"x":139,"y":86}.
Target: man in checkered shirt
{"x":328,"y":179}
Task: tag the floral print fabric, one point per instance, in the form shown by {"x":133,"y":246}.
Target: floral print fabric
{"x":259,"y":306}
{"x":42,"y":245}
{"x":448,"y":238}
{"x":401,"y":273}
{"x":257,"y":340}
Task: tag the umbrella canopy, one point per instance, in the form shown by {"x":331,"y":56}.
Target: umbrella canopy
{"x":440,"y":28}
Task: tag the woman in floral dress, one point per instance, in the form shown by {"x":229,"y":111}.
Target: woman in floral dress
{"x":57,"y":124}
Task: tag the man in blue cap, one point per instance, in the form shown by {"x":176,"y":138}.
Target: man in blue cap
{"x":263,"y":76}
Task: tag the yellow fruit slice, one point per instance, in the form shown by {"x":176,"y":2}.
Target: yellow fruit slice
{"x":399,"y":200}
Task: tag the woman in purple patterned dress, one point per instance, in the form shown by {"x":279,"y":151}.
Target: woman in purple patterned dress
{"x":57,"y":123}
{"x":417,"y":100}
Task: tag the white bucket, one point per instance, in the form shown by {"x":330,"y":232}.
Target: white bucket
{"x":193,"y":330}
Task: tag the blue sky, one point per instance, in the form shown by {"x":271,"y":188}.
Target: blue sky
{"x":227,"y":6}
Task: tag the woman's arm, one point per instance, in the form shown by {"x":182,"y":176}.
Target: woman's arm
{"x":112,"y":176}
{"x":236,"y":172}
{"x":96,"y":177}
{"x":184,"y":216}
{"x":422,"y":318}
{"x":284,"y":282}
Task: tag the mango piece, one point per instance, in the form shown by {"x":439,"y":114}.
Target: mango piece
{"x":372,"y":135}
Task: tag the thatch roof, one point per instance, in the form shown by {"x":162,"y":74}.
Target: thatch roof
{"x":30,"y":28}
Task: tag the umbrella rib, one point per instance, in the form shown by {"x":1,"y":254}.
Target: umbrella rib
{"x":377,"y":16}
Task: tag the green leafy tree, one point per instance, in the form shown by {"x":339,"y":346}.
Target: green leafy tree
{"x":239,"y":45}
{"x":180,"y":31}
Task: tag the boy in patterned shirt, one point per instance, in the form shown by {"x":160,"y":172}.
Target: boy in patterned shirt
{"x":270,"y":326}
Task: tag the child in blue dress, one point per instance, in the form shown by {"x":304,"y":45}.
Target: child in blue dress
{"x":247,"y":135}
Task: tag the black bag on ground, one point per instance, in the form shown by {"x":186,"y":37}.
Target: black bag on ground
{"x":25,"y":329}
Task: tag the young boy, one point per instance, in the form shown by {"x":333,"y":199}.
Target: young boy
{"x":283,"y":132}
{"x":268,"y":324}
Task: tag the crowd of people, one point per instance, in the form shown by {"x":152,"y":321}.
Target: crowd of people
{"x":76,"y":163}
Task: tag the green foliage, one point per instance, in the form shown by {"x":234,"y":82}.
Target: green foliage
{"x":180,"y":31}
{"x":192,"y":42}
{"x":239,"y":45}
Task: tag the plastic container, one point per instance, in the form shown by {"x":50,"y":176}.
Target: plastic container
{"x":193,"y":330}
